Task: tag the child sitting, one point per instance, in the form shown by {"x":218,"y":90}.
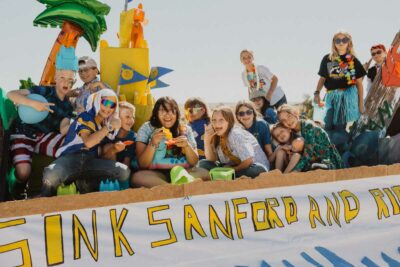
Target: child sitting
{"x":123,"y":147}
{"x":196,"y":112}
{"x":88,"y":72}
{"x":289,"y":150}
{"x":46,"y":136}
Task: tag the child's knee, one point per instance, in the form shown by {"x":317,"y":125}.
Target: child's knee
{"x":23,"y":171}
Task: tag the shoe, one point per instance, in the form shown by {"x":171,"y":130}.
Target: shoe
{"x":180,"y":176}
{"x":20,"y":191}
{"x":319,"y":166}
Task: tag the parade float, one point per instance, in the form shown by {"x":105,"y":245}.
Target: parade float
{"x":346,"y":217}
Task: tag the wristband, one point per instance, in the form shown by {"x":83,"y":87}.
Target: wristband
{"x":109,"y":127}
{"x":153,"y":145}
{"x":316,"y":92}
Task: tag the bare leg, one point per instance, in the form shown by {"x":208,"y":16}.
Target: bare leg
{"x":22,"y":172}
{"x":148,"y":179}
{"x":281,"y":160}
{"x":294,"y":159}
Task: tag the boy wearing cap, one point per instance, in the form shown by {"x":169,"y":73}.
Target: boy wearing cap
{"x":46,"y":136}
{"x":88,"y":72}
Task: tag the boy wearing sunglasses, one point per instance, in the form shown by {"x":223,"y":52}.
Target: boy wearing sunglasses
{"x":46,"y":136}
{"x":88,"y":72}
{"x":378,"y":55}
{"x":79,"y":157}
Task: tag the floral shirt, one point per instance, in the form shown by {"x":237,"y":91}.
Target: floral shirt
{"x":318,"y":148}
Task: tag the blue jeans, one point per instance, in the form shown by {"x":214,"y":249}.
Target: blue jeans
{"x":253,"y":171}
{"x":78,"y":167}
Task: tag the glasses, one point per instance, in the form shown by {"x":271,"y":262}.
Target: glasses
{"x":108,"y":103}
{"x":344,"y":40}
{"x":376,"y":53}
{"x":194,"y":110}
{"x":163,"y":112}
{"x":243,"y":113}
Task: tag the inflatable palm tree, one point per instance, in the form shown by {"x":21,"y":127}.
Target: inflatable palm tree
{"x":76,"y":18}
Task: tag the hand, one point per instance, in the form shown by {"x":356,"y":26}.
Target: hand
{"x":158,"y":135}
{"x":118,"y":147}
{"x":42,"y":106}
{"x":115,"y":123}
{"x":72,"y":93}
{"x":208,"y":133}
{"x":181,"y":141}
{"x":317,"y":99}
{"x":94,"y":86}
{"x":287,"y":148}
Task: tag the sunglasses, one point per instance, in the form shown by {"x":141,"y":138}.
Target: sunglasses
{"x":194,"y":110}
{"x":243,"y":113}
{"x":376,"y":53}
{"x":108,"y":103}
{"x":344,"y":40}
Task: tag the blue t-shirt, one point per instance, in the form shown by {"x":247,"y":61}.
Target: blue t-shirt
{"x":260,"y":130}
{"x":130,"y":151}
{"x":61,"y":109}
{"x":198,"y":132}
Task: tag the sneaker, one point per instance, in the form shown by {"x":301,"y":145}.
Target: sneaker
{"x":319,"y":166}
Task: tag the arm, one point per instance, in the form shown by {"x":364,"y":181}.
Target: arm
{"x":317,"y":92}
{"x":19,"y":98}
{"x":269,"y":153}
{"x":109,"y":152}
{"x":274,"y":83}
{"x":360,"y":90}
{"x":209,"y":149}
{"x":64,"y":126}
{"x":244,"y":164}
{"x":145,"y":152}
{"x":91,"y":140}
{"x":191,"y":155}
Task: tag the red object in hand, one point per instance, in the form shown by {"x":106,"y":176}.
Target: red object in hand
{"x":170,"y":142}
{"x":128,"y":143}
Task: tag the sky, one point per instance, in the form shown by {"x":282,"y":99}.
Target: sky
{"x":201,"y":41}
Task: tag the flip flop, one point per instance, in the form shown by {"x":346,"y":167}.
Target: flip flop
{"x":180,"y":175}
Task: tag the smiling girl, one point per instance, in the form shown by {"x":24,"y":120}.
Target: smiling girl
{"x":341,"y":73}
{"x":226,"y":145}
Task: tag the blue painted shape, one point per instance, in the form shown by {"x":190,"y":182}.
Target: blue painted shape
{"x":369,"y":263}
{"x":333,"y":258}
{"x":390,"y":261}
{"x":310,"y":260}
{"x":287,"y":264}
{"x":264,"y":264}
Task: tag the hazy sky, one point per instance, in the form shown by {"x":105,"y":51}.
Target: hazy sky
{"x":201,"y":40}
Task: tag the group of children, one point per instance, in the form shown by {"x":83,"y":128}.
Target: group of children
{"x":257,"y":136}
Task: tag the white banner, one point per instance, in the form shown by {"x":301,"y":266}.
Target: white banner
{"x":346,"y":223}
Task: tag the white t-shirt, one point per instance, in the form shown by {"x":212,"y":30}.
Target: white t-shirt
{"x":264,"y":79}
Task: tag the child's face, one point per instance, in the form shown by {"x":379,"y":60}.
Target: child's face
{"x":282,"y":135}
{"x":65,"y":79}
{"x":288,"y":120}
{"x":219,"y":124}
{"x":87,"y":74}
{"x":195,"y":113}
{"x":258,"y":102}
{"x":341,"y":43}
{"x":167,"y":116}
{"x":127,"y":118}
{"x":107,"y":106}
{"x":245,"y":116}
{"x":378,"y":55}
{"x":247,"y":59}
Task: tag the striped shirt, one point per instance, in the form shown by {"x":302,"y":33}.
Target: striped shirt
{"x":73,"y":143}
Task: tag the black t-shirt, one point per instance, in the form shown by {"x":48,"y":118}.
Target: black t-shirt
{"x":334,"y":73}
{"x":372,"y":73}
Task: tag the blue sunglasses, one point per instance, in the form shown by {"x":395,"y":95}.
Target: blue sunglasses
{"x":108,"y":103}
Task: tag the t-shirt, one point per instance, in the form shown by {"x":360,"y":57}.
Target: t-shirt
{"x":334,"y":74}
{"x":83,"y":94}
{"x":62,"y":109}
{"x":260,"y":130}
{"x":372,"y":73}
{"x":73,"y":143}
{"x":243,"y":145}
{"x":129,"y":151}
{"x":164,"y":157}
{"x":264,"y":82}
{"x":198,"y":132}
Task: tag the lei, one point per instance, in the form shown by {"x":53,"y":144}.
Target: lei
{"x":348,"y":68}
